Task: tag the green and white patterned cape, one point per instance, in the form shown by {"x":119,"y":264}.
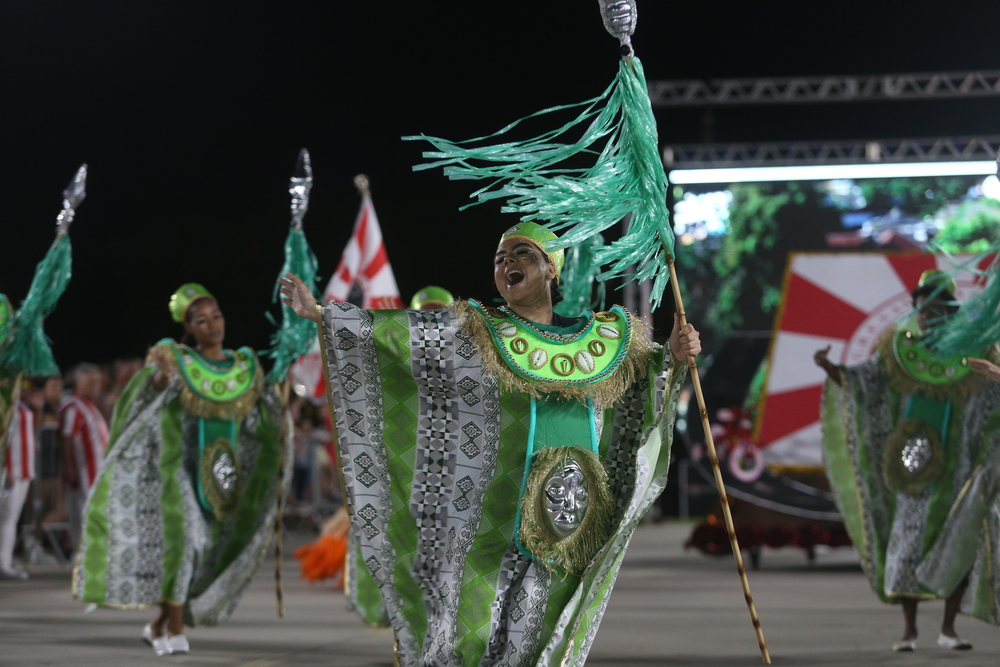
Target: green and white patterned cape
{"x":918,"y":546}
{"x":433,"y":452}
{"x":146,"y":539}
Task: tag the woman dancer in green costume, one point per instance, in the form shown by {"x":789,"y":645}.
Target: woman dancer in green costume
{"x":497,"y":460}
{"x":912,"y":447}
{"x":182,"y":512}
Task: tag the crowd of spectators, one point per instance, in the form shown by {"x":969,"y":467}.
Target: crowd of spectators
{"x":58,"y":436}
{"x":315,"y":489}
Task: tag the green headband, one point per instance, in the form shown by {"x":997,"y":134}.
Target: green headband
{"x":937,"y":279}
{"x":541,"y":237}
{"x":431,"y":293}
{"x":185,"y":295}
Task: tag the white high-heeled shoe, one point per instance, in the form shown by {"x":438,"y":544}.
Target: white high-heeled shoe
{"x":178,"y":644}
{"x":957,"y":643}
{"x":161,"y":645}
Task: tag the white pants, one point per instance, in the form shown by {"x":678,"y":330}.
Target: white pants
{"x":75,"y":500}
{"x":10,"y":511}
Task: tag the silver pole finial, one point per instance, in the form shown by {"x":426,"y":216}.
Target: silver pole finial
{"x":362,"y":183}
{"x":299,"y":187}
{"x":74,"y":193}
{"x":620,"y":17}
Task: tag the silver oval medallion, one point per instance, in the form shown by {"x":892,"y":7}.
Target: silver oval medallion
{"x":566,"y":498}
{"x":224,"y":472}
{"x":916,"y":454}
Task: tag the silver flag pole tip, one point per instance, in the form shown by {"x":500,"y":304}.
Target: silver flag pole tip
{"x":73,"y":195}
{"x":363,"y":184}
{"x":620,"y":17}
{"x":300,"y":186}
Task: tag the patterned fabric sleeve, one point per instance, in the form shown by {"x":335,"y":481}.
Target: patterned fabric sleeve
{"x":857,"y":418}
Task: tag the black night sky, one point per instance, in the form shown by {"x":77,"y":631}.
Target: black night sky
{"x":190,"y":116}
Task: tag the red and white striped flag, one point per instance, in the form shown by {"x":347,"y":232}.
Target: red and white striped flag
{"x":365,"y":263}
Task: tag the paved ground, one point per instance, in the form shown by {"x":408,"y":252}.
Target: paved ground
{"x":670,"y":607}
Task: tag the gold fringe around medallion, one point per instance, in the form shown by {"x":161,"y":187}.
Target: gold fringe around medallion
{"x":573,"y":553}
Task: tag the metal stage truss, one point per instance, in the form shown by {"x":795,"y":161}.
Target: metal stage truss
{"x":822,"y":89}
{"x":930,"y":149}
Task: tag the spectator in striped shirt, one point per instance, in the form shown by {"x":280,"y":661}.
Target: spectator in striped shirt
{"x":20,"y":469}
{"x":84,"y":436}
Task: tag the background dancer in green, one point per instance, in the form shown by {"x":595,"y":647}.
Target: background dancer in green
{"x":197,"y":465}
{"x":912,"y":451}
{"x":182,"y":511}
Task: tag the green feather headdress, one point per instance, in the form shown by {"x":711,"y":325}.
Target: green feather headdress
{"x":627,"y":178}
{"x":295,"y":335}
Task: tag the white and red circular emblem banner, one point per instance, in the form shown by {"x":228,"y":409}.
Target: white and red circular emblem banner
{"x":846,"y":301}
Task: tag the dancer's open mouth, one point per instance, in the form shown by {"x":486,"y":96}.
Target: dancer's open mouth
{"x":514,"y":277}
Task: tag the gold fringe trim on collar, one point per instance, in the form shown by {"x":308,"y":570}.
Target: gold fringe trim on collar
{"x":573,"y":553}
{"x":905,"y":383}
{"x":234,"y":410}
{"x":604,"y":393}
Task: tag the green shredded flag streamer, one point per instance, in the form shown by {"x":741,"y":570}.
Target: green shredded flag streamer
{"x":295,"y":335}
{"x":578,"y":277}
{"x":976,"y":324}
{"x":627,"y":178}
{"x":29,"y":351}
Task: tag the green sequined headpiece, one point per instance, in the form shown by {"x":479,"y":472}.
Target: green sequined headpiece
{"x":939,"y":280}
{"x":540,"y":236}
{"x":185,"y":295}
{"x":976,"y":325}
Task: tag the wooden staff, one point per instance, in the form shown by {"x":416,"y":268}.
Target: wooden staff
{"x":723,"y":497}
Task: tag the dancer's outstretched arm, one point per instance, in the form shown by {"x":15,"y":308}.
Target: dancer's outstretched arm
{"x":298,"y":297}
{"x":832,"y":370}
{"x":987,"y":368}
